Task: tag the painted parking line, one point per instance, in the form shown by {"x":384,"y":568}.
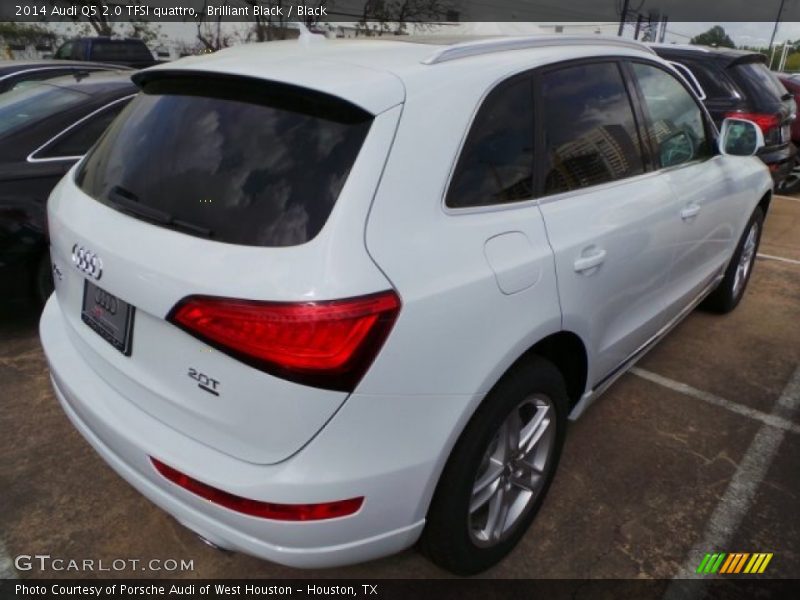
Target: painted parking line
{"x":791,"y":261}
{"x":772,"y":420}
{"x":738,"y":498}
{"x":7,"y":570}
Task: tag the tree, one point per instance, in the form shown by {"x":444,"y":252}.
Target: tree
{"x":379,"y":16}
{"x":26,"y":34}
{"x":715,"y":36}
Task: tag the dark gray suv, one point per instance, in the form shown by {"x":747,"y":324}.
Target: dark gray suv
{"x":737,"y":83}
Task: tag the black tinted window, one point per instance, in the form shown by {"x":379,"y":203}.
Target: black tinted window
{"x":496,"y":164}
{"x":760,"y":84}
{"x":120,"y":51}
{"x":257,"y":163}
{"x":590,"y":131}
{"x":24,"y":106}
{"x":675,"y":125}
{"x":715,"y":83}
{"x":78,"y":140}
{"x":65,"y":51}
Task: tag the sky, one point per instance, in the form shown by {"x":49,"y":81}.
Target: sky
{"x":750,"y":34}
{"x":743,"y":34}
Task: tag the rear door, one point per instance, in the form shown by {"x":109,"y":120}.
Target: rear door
{"x":706,"y":200}
{"x":608,"y":215}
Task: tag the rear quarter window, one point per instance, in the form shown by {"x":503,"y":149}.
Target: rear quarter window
{"x":239,"y":161}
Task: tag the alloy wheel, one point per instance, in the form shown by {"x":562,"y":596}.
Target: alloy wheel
{"x":513,"y":471}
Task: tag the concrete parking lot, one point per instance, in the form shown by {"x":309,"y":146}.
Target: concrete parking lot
{"x":697,"y":451}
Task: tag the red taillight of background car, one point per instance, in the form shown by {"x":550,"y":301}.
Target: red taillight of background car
{"x":328,"y":344}
{"x":766,"y":122}
{"x":257,"y":508}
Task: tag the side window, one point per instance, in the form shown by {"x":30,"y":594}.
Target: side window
{"x":78,"y":140}
{"x":65,"y":51}
{"x":496,"y":164}
{"x":590,"y":133}
{"x":41,"y":75}
{"x":676,"y":127}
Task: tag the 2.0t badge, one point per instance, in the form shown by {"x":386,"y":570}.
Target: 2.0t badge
{"x":87,"y":261}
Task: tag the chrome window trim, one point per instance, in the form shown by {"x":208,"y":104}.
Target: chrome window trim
{"x":32,"y":70}
{"x":31,"y":158}
{"x":54,"y":68}
{"x":687,"y":75}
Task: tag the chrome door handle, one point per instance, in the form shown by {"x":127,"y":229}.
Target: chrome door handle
{"x":690,"y":212}
{"x":589,"y":261}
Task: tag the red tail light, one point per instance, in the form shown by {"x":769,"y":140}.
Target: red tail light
{"x":766,"y":122}
{"x":256,"y":508}
{"x":327,"y":344}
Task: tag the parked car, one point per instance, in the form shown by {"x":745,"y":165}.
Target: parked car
{"x":128,"y":52}
{"x":791,"y":81}
{"x":45,"y":127}
{"x":15,"y":72}
{"x":738,"y":83}
{"x":321,"y":315}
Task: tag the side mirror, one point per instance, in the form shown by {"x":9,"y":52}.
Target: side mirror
{"x":740,"y":137}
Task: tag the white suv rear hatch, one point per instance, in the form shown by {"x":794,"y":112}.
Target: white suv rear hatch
{"x":223,"y":187}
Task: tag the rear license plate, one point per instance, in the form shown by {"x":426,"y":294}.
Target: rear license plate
{"x":109,"y":316}
{"x":786,"y":133}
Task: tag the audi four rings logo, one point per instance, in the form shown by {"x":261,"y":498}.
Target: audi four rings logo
{"x":106,"y":300}
{"x":87,"y":261}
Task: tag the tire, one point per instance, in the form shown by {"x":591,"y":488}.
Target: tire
{"x":43,"y":281}
{"x":791,"y":185}
{"x":733,"y":285}
{"x":463,"y":541}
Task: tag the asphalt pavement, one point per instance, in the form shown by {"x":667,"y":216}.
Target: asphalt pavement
{"x":696,"y":451}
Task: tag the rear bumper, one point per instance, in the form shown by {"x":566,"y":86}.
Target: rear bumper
{"x":780,"y":161}
{"x":390,"y":458}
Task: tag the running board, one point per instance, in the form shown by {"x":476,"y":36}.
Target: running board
{"x":589,"y":397}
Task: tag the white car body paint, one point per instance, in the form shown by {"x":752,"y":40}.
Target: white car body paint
{"x":478,"y":289}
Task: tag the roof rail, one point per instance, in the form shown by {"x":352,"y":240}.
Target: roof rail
{"x":502,"y":44}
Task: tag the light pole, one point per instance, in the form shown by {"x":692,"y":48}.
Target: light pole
{"x":775,"y":29}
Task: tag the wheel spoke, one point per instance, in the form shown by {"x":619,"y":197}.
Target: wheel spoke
{"x":534,"y":430}
{"x":486,"y":486}
{"x":498,"y":513}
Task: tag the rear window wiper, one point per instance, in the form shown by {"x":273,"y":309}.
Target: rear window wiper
{"x":128,"y":202}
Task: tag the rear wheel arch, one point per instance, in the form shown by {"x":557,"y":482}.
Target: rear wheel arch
{"x":567,"y":352}
{"x":764,"y":203}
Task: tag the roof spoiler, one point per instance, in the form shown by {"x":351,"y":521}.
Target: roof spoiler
{"x":747,"y":59}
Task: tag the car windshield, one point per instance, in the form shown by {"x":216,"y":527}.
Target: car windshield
{"x":28,"y":104}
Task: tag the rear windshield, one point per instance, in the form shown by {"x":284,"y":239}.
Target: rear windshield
{"x":24,"y":106}
{"x":249,"y":163}
{"x":760,"y":84}
{"x":715,"y":84}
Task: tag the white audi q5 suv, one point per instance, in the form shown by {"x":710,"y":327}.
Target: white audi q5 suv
{"x":321,"y":302}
